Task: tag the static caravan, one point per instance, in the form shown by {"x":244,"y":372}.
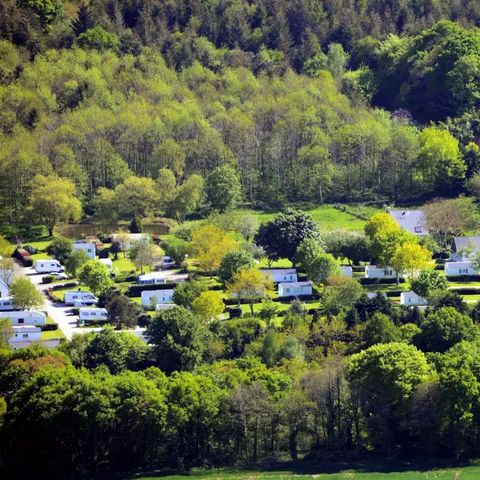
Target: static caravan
{"x":152,"y":278}
{"x":6,"y":304}
{"x":157,"y":297}
{"x":25,"y":317}
{"x":294,"y":289}
{"x":107,"y":262}
{"x":347,"y":271}
{"x":411,"y":298}
{"x":4,"y":290}
{"x":166,"y":263}
{"x":89,"y":314}
{"x":24,"y":335}
{"x":279,"y":275}
{"x":88,"y":247}
{"x":48,"y":266}
{"x":372,"y":271}
{"x":457,"y":269}
{"x":79,"y":298}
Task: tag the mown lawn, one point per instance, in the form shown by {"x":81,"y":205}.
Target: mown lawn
{"x":458,"y":473}
{"x":328,"y":217}
{"x":52,"y":334}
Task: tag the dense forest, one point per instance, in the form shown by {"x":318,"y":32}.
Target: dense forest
{"x":307,"y":105}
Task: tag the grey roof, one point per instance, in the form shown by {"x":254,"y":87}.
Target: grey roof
{"x":462,"y":243}
{"x":411,"y":220}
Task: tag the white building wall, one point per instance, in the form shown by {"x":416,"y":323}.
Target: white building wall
{"x":157,"y":297}
{"x":456,"y":269}
{"x":411,"y":298}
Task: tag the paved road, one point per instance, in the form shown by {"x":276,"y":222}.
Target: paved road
{"x":58,"y":312}
{"x":61,"y":313}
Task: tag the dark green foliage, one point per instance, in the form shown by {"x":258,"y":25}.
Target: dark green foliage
{"x":223,"y":188}
{"x":136,"y":225}
{"x":185,"y":293}
{"x":83,"y":21}
{"x":180,"y":339}
{"x":234,"y":262}
{"x":123,"y":312}
{"x":60,"y":248}
{"x":444,"y":328}
{"x":281,"y":237}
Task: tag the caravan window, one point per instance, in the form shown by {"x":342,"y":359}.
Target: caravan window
{"x":25,"y":335}
{"x":21,"y":320}
{"x":418,"y":229}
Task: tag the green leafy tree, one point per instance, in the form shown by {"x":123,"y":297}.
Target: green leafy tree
{"x":223,"y":188}
{"x":185,"y":293}
{"x":61,"y":248}
{"x":444,"y":328}
{"x":116,"y":350}
{"x":25,"y":294}
{"x":409,"y":258}
{"x":179,"y":339}
{"x":250,"y":285}
{"x":383,"y":379}
{"x":281,"y":237}
{"x":75,"y":262}
{"x":233,"y":262}
{"x":55,"y":201}
{"x":96,"y":276}
{"x":440,"y":163}
{"x":97,"y":38}
{"x":208,"y":305}
{"x":428,"y":283}
{"x":380,"y":329}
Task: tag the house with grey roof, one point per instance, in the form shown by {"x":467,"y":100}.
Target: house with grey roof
{"x":464,"y":248}
{"x":411,"y":220}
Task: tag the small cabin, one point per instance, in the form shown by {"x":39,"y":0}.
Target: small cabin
{"x":458,"y":269}
{"x":295,"y":289}
{"x":279,"y":275}
{"x":373,"y":271}
{"x":153,"y":298}
{"x":464,"y":248}
{"x":88,"y":247}
{"x":411,"y":298}
{"x":79,"y":298}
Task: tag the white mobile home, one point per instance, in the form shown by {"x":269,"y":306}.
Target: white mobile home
{"x":4,"y":290}
{"x":25,"y":317}
{"x":411,"y":298}
{"x":48,"y":266}
{"x":80,"y":298}
{"x":166,"y":263}
{"x":294,"y":289}
{"x":24,"y":335}
{"x":347,"y":271}
{"x":279,"y":275}
{"x":157,"y":297}
{"x":89,"y":314}
{"x":457,"y":269}
{"x":107,"y":262}
{"x":373,"y":271}
{"x":88,"y":247}
{"x":151,"y":278}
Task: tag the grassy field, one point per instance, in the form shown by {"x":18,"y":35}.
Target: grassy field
{"x":52,"y":334}
{"x":328,"y":217}
{"x":456,"y":473}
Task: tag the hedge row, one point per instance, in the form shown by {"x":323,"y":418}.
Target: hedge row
{"x":137,"y":289}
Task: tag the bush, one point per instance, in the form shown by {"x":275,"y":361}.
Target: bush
{"x":104,"y":237}
{"x":103,"y":253}
{"x":48,"y":279}
{"x":49,"y":327}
